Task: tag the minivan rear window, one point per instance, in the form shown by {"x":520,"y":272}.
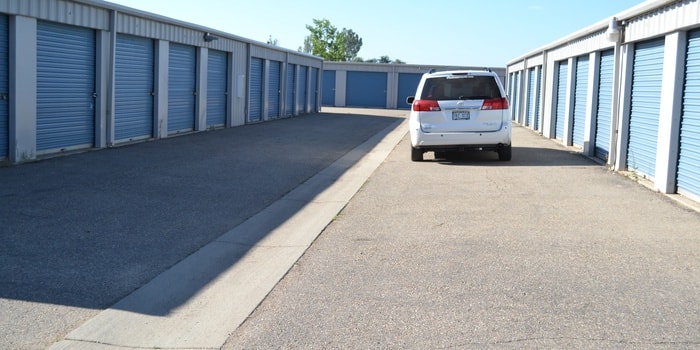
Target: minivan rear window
{"x":460,"y":88}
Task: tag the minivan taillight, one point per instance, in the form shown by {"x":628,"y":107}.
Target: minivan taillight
{"x":426,"y":106}
{"x":495,"y":103}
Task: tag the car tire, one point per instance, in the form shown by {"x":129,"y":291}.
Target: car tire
{"x":504,"y":153}
{"x":416,"y":154}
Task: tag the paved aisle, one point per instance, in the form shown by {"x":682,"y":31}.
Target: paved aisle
{"x":549,"y":250}
{"x":80,"y":233}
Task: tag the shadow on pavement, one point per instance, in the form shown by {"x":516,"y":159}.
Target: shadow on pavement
{"x":88,"y":229}
{"x":522,"y":156}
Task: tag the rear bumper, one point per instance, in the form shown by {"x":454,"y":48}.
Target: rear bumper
{"x":463,"y":141}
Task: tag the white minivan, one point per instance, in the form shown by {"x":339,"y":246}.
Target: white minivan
{"x":460,"y":111}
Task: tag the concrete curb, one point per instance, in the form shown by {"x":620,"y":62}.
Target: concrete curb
{"x":198,"y":302}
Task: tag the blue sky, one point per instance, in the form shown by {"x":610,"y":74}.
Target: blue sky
{"x":453,"y":32}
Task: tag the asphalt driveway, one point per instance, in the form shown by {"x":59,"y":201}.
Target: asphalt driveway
{"x":78,"y":233}
{"x":549,"y":250}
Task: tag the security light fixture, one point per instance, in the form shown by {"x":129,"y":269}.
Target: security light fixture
{"x":209,"y":38}
{"x":614,"y":31}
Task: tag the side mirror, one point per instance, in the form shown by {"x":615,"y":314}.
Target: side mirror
{"x":410,"y":99}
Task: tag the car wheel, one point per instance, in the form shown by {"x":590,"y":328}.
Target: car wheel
{"x":416,"y":154}
{"x":504,"y":154}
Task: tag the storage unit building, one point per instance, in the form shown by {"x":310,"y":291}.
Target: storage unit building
{"x":625,"y":91}
{"x":90,"y":74}
{"x":377,"y":85}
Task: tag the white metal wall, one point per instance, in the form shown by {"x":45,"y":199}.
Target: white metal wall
{"x":108,"y":22}
{"x":610,"y":115}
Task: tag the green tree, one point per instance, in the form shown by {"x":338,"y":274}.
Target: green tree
{"x":353,"y":43}
{"x":385,"y":59}
{"x":328,"y":42}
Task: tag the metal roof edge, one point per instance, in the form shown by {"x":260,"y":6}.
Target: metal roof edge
{"x":149,"y":15}
{"x":634,"y":11}
{"x":411,"y":65}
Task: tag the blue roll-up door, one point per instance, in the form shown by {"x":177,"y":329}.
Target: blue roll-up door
{"x":4,"y":87}
{"x":65,"y":87}
{"x":688,"y":176}
{"x":181,"y":88}
{"x":645,"y":106}
{"x":133,"y":88}
{"x":366,"y":89}
{"x":604,"y":112}
{"x":217,"y":82}
{"x":289,"y":91}
{"x":328,"y":88}
{"x":560,"y":116}
{"x":256,"y":90}
{"x":408,"y":83}
{"x":313,"y":85}
{"x":580,"y":100}
{"x":538,"y":99}
{"x":531,"y":94}
{"x":302,"y":88}
{"x":274,"y":81}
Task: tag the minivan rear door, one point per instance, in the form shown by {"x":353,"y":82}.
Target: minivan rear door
{"x":461,"y":99}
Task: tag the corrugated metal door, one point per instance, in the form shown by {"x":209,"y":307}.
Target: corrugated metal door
{"x":645,"y":106}
{"x":217,"y":80}
{"x":273,"y":89}
{"x":604,"y":112}
{"x":256,"y":90}
{"x":301,"y":95}
{"x":4,"y":87}
{"x":560,"y":117}
{"x":181,"y":88}
{"x":538,"y":99}
{"x":580,"y":100}
{"x":289,"y":94}
{"x":531,"y":93}
{"x":366,"y":89}
{"x":408,"y":83}
{"x":328,"y":88}
{"x":313,"y":85}
{"x":65,"y":87}
{"x":688,"y":176}
{"x":133,"y":88}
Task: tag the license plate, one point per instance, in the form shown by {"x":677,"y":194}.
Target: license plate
{"x":462,"y":115}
